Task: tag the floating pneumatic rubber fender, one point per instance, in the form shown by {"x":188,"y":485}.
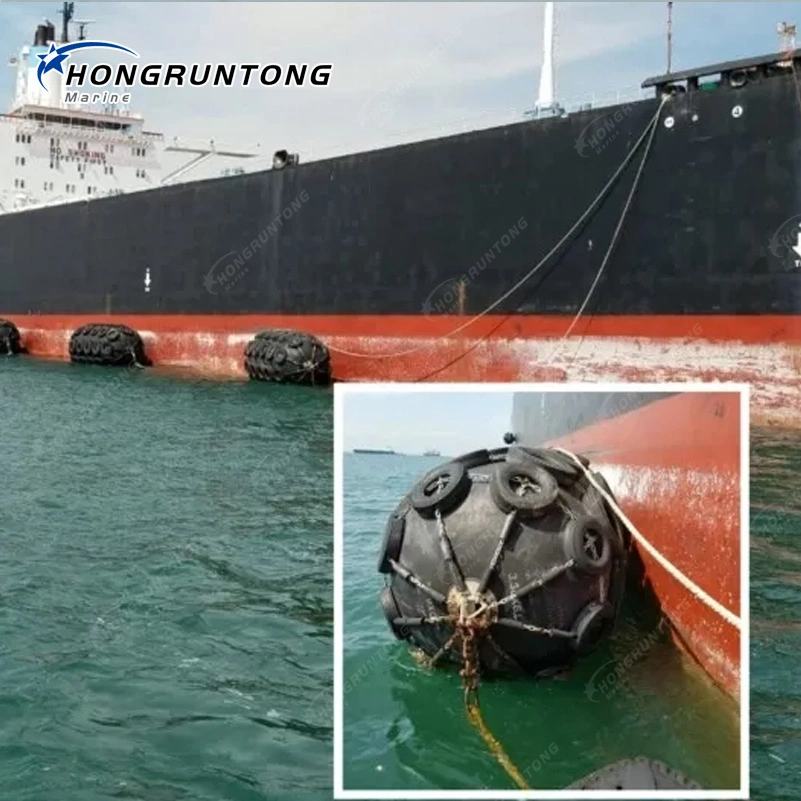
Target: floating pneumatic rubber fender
{"x":442,"y":488}
{"x":392,"y":612}
{"x":587,"y":542}
{"x":393,"y":537}
{"x":523,"y":487}
{"x":9,"y":338}
{"x":288,"y":357}
{"x":107,"y":344}
{"x":478,"y":548}
{"x":591,"y":625}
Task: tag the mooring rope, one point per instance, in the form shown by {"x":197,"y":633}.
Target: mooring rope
{"x":467,"y":629}
{"x":474,"y":716}
{"x":616,"y":234}
{"x":687,"y":582}
{"x":649,"y":128}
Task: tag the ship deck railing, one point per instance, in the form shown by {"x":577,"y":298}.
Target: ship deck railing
{"x":594,"y":101}
{"x":11,"y":202}
{"x":106,"y":134}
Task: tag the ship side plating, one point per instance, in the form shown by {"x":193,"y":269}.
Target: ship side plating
{"x":379,"y":232}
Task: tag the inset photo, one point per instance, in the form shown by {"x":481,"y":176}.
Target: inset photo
{"x":541,"y":591}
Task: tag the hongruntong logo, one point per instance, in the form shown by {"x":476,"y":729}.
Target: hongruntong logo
{"x":165,"y":75}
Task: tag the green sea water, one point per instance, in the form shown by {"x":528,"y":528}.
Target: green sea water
{"x":775,"y":616}
{"x":166,"y":615}
{"x":165,"y":587}
{"x":405,"y":727}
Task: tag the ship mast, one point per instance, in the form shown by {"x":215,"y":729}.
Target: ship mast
{"x":669,"y":37}
{"x":67,"y":11}
{"x":545,"y":99}
{"x":546,"y":105}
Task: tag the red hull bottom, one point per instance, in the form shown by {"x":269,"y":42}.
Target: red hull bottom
{"x":674,"y":467}
{"x":764,"y":351}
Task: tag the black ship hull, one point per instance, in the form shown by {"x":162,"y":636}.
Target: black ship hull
{"x":379,"y":232}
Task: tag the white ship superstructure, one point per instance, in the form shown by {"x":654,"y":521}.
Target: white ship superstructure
{"x":54,"y":152}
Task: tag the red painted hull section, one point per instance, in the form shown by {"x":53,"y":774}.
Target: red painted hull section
{"x":674,"y":467}
{"x":764,"y":351}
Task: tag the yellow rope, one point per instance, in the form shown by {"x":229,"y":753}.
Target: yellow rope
{"x":474,"y":716}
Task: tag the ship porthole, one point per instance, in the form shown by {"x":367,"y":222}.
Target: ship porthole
{"x":669,"y":121}
{"x":737,"y":111}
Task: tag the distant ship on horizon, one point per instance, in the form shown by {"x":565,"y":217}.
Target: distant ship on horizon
{"x":384,"y":451}
{"x":432,"y":452}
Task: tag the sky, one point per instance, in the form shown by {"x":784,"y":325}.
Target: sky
{"x":401,"y":71}
{"x":413,"y":422}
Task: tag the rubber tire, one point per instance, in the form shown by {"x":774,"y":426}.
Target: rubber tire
{"x":393,"y":537}
{"x":531,"y":505}
{"x":619,"y":528}
{"x":591,"y":626}
{"x":474,"y":459}
{"x":563,"y":469}
{"x":573,"y":538}
{"x":391,"y":611}
{"x":456,"y":489}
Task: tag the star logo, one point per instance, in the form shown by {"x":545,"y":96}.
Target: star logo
{"x":53,"y":63}
{"x":56,"y":56}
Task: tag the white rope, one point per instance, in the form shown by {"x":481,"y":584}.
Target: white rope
{"x":615,"y":235}
{"x":650,"y":128}
{"x":688,"y":583}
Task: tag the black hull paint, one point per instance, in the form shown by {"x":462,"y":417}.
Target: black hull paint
{"x":389,"y":231}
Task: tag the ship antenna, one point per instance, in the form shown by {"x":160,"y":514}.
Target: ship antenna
{"x":67,"y":10}
{"x":669,"y":37}
{"x":82,"y":25}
